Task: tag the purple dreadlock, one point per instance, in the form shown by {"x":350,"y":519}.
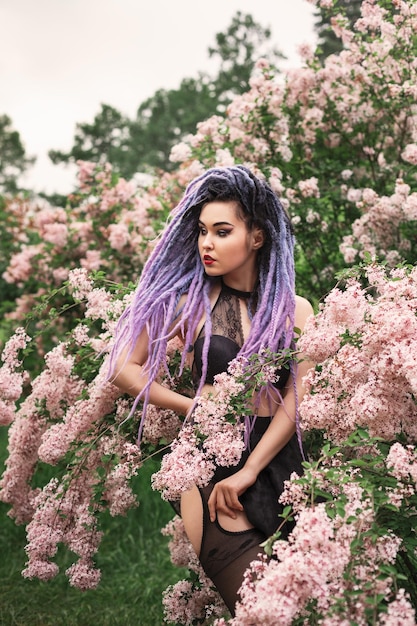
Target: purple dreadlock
{"x":174,"y":268}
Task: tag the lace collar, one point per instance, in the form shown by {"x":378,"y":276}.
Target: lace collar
{"x":236,"y":292}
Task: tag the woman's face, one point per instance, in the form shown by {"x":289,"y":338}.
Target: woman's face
{"x":226,"y":246}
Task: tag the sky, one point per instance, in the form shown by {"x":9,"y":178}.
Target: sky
{"x":60,"y":59}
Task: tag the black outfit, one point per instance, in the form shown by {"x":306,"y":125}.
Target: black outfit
{"x":225,"y":555}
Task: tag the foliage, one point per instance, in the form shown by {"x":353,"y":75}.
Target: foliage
{"x":164,"y":118}
{"x":9,"y":212}
{"x":107,"y":225}
{"x":351,"y":557}
{"x":238,"y":48}
{"x":72,"y":419}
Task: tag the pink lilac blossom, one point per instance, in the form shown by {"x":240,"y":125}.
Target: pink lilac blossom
{"x":354,"y":82}
{"x":118,"y":236}
{"x":192,"y":460}
{"x":185,"y":603}
{"x":121,"y":193}
{"x":180,"y":152}
{"x":11,"y":384}
{"x":55,"y":389}
{"x":309,"y":188}
{"x":23,"y":305}
{"x":92,"y":260}
{"x":402,"y":462}
{"x":310,"y":568}
{"x":7,"y":412}
{"x":12,"y":380}
{"x":376,"y":231}
{"x":357,"y":383}
{"x":80,"y":282}
{"x":83,"y":575}
{"x":64,"y":513}
{"x":24,"y":438}
{"x":400,"y":612}
{"x":409,"y":153}
{"x":18,"y":341}
{"x":85,"y":174}
{"x":183,"y":467}
{"x":99,"y":302}
{"x":56,"y":233}
{"x":80,"y":334}
{"x":79,"y":418}
{"x":117,"y":492}
{"x":389,"y":374}
{"x":312,"y":216}
{"x":20,"y":268}
{"x":310,"y":565}
{"x":160,"y":424}
{"x":181,"y":551}
{"x":224,"y":158}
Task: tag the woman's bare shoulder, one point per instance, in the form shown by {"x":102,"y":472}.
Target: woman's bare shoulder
{"x":303,"y":310}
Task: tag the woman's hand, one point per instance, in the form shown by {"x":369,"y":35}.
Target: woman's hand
{"x":225,"y":495}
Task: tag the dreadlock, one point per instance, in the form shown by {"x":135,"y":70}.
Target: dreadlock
{"x":175,"y":268}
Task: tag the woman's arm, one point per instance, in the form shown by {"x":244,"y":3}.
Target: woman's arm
{"x":130,"y":378}
{"x":225,"y":495}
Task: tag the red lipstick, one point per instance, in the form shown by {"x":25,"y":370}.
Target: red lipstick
{"x":208,"y":260}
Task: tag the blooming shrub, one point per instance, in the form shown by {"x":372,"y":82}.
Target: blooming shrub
{"x":68,"y":416}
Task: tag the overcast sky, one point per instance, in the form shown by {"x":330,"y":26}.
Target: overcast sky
{"x":60,"y":59}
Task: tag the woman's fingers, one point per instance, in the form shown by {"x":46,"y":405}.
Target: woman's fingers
{"x":224,"y":500}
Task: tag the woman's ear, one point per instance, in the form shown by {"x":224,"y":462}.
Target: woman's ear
{"x":258,"y":238}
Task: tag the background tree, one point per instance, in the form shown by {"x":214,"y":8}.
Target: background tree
{"x":103,"y":140}
{"x":169,"y":115}
{"x":238,"y":49}
{"x":13,"y":158}
{"x":164,"y":118}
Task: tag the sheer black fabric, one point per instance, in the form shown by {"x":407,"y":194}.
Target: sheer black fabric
{"x":225,"y":555}
{"x":226,"y":338}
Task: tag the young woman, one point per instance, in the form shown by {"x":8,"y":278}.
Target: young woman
{"x":222,"y":279}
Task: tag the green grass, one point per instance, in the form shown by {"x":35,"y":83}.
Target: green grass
{"x":134,"y":562}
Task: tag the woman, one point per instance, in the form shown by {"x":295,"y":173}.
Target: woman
{"x":222,"y":279}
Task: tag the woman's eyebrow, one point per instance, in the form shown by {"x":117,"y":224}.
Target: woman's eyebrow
{"x":216,"y":223}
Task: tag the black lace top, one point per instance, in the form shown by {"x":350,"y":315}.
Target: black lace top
{"x":226,"y":338}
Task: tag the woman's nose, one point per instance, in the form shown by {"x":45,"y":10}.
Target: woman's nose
{"x":207,"y":243}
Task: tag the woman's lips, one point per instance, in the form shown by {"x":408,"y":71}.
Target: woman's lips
{"x":208,"y":260}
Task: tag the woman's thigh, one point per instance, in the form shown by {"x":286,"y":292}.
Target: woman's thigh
{"x":192,"y":516}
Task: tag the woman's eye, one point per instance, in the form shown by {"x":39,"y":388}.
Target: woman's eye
{"x":202,"y":231}
{"x":223,"y":233}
